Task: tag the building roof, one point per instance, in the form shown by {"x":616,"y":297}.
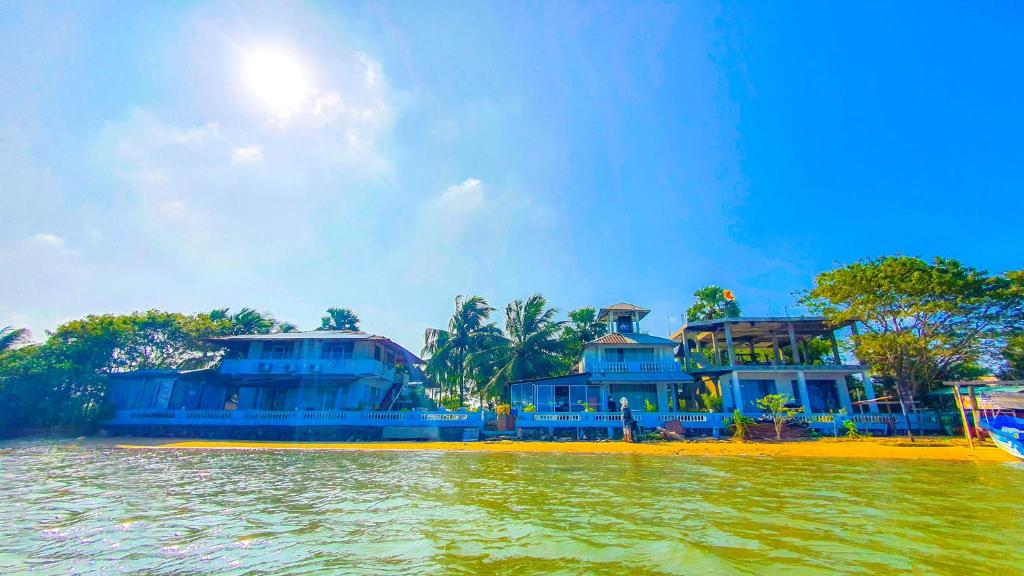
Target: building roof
{"x":761,"y":327}
{"x":332,"y":335}
{"x":605,"y":312}
{"x":617,"y":338}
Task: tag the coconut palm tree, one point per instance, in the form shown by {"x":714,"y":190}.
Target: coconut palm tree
{"x":245,"y":321}
{"x":339,"y":319}
{"x":530,"y":347}
{"x":287,"y":327}
{"x":469,"y":333}
{"x":710,"y":303}
{"x":11,"y":337}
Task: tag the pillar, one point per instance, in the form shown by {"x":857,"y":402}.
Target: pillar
{"x":869,"y":392}
{"x":714,"y":347}
{"x":662,"y":392}
{"x":777,"y":354}
{"x":793,"y":345}
{"x":844,"y":395}
{"x":686,"y":353}
{"x":737,"y":393}
{"x":728,"y":345}
{"x":801,"y":384}
{"x":835,"y":348}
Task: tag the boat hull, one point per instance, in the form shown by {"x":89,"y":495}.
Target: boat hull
{"x":1007,"y":433}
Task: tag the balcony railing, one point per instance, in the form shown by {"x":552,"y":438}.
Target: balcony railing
{"x":306,"y":367}
{"x":292,"y":418}
{"x":638,"y":367}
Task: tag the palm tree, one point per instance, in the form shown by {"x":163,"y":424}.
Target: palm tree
{"x":530,"y":347}
{"x":339,"y":319}
{"x":469,"y":332}
{"x":710,"y":304}
{"x":581,"y":328}
{"x":245,"y":321}
{"x":287,"y":327}
{"x":11,"y":337}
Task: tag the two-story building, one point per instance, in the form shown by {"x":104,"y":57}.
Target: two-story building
{"x":282,"y":380}
{"x":623,"y":363}
{"x":744,"y":359}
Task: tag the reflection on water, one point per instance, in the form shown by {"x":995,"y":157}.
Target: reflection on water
{"x":93,"y":508}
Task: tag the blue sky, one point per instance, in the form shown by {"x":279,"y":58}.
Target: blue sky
{"x":591,"y":152}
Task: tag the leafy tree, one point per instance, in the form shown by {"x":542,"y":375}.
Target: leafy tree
{"x":777,"y":407}
{"x":1013,"y":358}
{"x":920,"y":321}
{"x":245,"y":321}
{"x":11,"y":337}
{"x":710,"y":304}
{"x":530,"y":347}
{"x":340,"y":319}
{"x":469,"y":332}
{"x":581,"y":328}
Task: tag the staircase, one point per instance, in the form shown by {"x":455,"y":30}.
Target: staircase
{"x":388,"y":401}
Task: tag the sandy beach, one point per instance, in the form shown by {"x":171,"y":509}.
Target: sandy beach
{"x":876,"y":449}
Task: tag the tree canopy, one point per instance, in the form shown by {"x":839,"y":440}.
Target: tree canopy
{"x":920,"y":321}
{"x":339,"y":319}
{"x":530,"y":347}
{"x":581,"y":328}
{"x":710,"y":303}
{"x":470,"y":331}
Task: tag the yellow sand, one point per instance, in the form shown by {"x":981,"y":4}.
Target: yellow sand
{"x":875,"y":449}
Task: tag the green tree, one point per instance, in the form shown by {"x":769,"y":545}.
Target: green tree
{"x":1013,"y":358}
{"x":530,"y":347}
{"x":581,"y":328}
{"x":920,"y":321}
{"x":449,"y":351}
{"x":776,"y":407}
{"x":709,"y":303}
{"x":11,"y":337}
{"x":245,"y":321}
{"x":339,"y":319}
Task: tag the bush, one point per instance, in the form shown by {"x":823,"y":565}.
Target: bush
{"x":740,"y":425}
{"x":529,"y":408}
{"x":649,"y":407}
{"x":775,"y":406}
{"x":850,"y":427}
{"x":712,"y":402}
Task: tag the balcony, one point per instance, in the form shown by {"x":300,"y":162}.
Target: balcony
{"x":306,"y":367}
{"x":637,"y":371}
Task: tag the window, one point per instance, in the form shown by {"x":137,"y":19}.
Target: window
{"x":337,"y":351}
{"x":276,"y":351}
{"x":376,"y":353}
{"x":545,"y":399}
{"x":389,"y":359}
{"x":562,"y":399}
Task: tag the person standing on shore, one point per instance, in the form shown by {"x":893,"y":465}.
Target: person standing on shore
{"x":630,"y":430}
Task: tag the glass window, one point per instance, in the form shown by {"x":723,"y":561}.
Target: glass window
{"x":376,"y":352}
{"x":577,"y":398}
{"x":545,"y":398}
{"x":561,"y":398}
{"x":614,"y":355}
{"x":276,"y":351}
{"x":337,"y":351}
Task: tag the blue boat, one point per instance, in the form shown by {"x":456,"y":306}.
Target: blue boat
{"x":1007,"y":432}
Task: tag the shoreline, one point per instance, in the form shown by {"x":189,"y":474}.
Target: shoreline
{"x":874,"y":449}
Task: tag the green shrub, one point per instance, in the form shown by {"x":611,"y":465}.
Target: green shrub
{"x":649,"y":407}
{"x":529,"y":408}
{"x":712,"y":402}
{"x":740,"y":425}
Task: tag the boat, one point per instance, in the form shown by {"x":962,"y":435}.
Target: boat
{"x":1007,"y":432}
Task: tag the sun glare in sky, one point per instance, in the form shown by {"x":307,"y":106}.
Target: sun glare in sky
{"x":277,"y":79}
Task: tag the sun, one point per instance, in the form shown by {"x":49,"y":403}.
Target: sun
{"x":277,"y":78}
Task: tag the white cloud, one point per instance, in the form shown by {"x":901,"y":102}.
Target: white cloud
{"x":247,"y":155}
{"x":462,"y":199}
{"x":46,"y":240}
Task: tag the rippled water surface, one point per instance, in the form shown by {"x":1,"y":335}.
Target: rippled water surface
{"x":92,"y":508}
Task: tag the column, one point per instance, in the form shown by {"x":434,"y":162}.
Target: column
{"x":777,"y":354}
{"x":793,"y":345}
{"x":662,"y":392}
{"x":714,"y":346}
{"x":728,"y":345}
{"x":869,"y":392}
{"x":686,"y":353}
{"x":675,"y":397}
{"x":801,"y":384}
{"x":844,"y":395}
{"x":737,"y":393}
{"x":835,"y":348}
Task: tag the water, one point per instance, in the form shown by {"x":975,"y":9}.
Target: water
{"x":96,"y":509}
